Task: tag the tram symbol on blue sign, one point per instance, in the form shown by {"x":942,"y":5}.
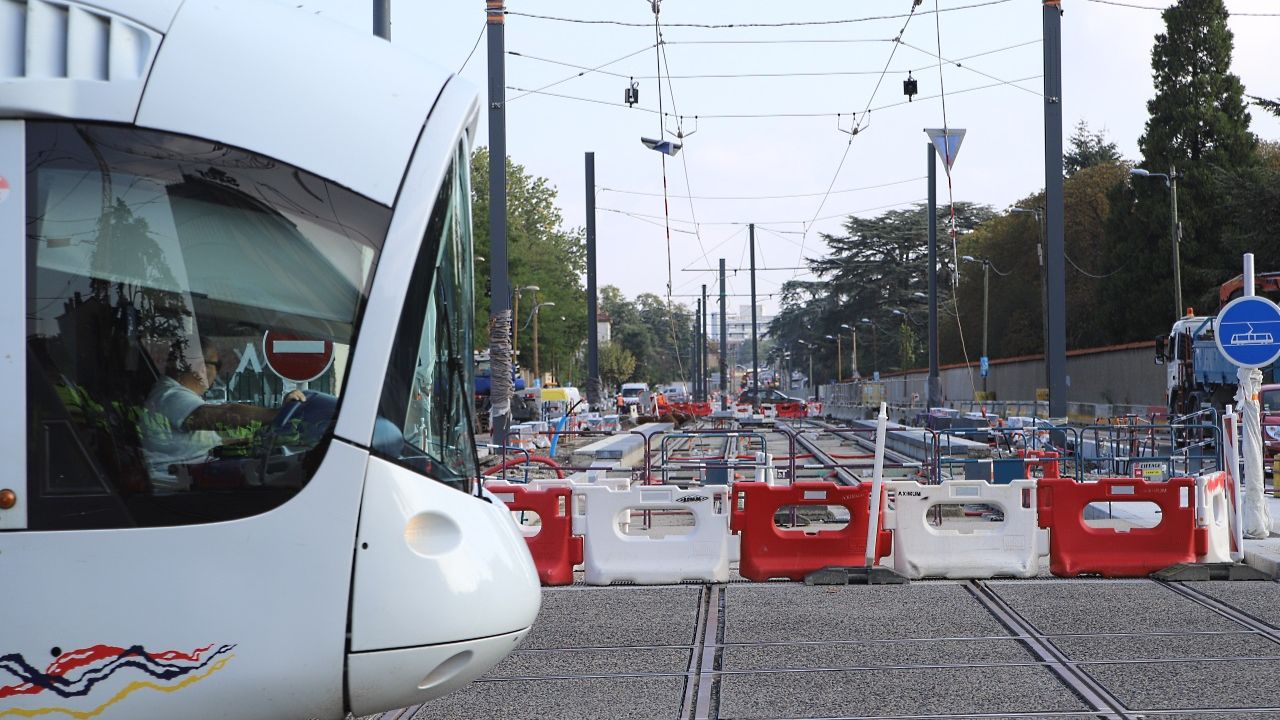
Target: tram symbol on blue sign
{"x":984,"y":366}
{"x":1246,"y":331}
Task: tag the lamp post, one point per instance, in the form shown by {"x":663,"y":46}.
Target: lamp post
{"x":1171,"y":182}
{"x":533,"y":317}
{"x":810,"y":349}
{"x":839,"y":357}
{"x":515,"y":313}
{"x":1038,"y":213}
{"x":987,"y":267}
{"x":875,"y":347}
{"x":853,"y":350}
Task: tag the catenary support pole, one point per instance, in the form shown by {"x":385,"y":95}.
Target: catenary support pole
{"x":500,"y":351}
{"x":697,"y":350}
{"x":706,"y":350}
{"x":724,"y":346}
{"x":755,"y":348}
{"x":595,"y":392}
{"x":933,"y":391}
{"x":1055,"y":272}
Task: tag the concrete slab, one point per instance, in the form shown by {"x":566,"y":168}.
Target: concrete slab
{"x":654,"y":698}
{"x":586,"y":617}
{"x":851,"y":655}
{"x":788,"y":612}
{"x":1106,"y":606}
{"x":1242,"y":684}
{"x":1166,"y":647}
{"x":756,"y":696}
{"x":589,"y":663}
{"x":1259,"y":599}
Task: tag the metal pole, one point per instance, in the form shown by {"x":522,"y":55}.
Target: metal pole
{"x":706,"y":350}
{"x":382,"y":19}
{"x":755,"y":348}
{"x":697,"y":347}
{"x":934,"y":390}
{"x":537,"y":369}
{"x":594,"y":389}
{"x":853,"y":353}
{"x":499,"y":285}
{"x":986,"y":266}
{"x":1044,"y":299}
{"x":811,"y":385}
{"x":839,"y":359}
{"x":724,"y":354}
{"x":1176,"y":236}
{"x":1051,"y":13}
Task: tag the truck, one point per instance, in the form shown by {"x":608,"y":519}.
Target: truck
{"x":1197,"y":374}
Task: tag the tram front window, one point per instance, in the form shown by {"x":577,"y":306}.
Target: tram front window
{"x":190,"y":313}
{"x":425,"y":410}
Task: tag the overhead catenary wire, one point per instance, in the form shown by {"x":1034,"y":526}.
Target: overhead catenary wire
{"x":1175,"y":8}
{"x":542,"y":90}
{"x":769,"y":197}
{"x":744,"y":223}
{"x":479,"y":37}
{"x":727,"y":26}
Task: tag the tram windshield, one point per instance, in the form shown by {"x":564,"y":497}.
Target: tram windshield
{"x":190,"y":314}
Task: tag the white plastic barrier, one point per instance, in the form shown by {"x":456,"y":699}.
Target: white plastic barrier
{"x":1213,"y":508}
{"x":703,"y":554}
{"x":980,"y":548}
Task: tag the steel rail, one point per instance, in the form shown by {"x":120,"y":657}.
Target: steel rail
{"x":1229,"y":612}
{"x":708,"y":678}
{"x":689,"y":701}
{"x":1099,"y":698}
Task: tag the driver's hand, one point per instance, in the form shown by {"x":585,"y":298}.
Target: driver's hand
{"x":296,"y":395}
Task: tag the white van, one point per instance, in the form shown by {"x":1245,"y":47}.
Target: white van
{"x":635,"y":394}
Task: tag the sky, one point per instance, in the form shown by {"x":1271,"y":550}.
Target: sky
{"x":785,"y":159}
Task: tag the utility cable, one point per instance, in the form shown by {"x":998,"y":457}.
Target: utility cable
{"x":575,"y":75}
{"x":962,"y":66}
{"x":769,"y":197}
{"x":857,"y":126}
{"x":473,"y":47}
{"x":725,"y":26}
{"x":1178,"y":9}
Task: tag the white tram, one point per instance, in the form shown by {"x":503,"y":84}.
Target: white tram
{"x":239,"y":476}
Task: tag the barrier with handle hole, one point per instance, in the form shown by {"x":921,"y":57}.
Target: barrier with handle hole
{"x":1041,"y":463}
{"x":1003,"y":541}
{"x":699,"y":553}
{"x":1075,"y":548}
{"x":1213,"y":513}
{"x":768,"y":552}
{"x":554,"y":547}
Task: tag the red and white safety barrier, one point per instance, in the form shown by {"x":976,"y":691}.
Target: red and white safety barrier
{"x":979,"y":548}
{"x":702,"y":554}
{"x":1213,"y":513}
{"x":554,"y":547}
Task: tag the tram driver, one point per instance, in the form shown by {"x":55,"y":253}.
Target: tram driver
{"x":181,"y":428}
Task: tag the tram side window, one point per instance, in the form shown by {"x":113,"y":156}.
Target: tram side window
{"x":164,"y":274}
{"x":425,"y":410}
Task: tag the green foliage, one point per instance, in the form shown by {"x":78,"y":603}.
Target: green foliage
{"x":617,"y":364}
{"x":659,"y":335}
{"x":1271,"y":106}
{"x":1088,"y":149}
{"x":540,"y":252}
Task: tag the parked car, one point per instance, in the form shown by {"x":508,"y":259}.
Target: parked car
{"x":1269,"y":405}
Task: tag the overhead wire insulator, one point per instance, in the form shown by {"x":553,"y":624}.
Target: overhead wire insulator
{"x":909,"y":87}
{"x":632,"y":94}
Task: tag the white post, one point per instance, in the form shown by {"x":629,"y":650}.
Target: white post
{"x":1231,"y":458}
{"x":1256,"y":519}
{"x":877,"y":484}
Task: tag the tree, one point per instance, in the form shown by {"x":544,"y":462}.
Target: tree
{"x":1199,"y":124}
{"x":541,"y":252}
{"x":1271,"y":106}
{"x":617,"y":364}
{"x":1088,"y":149}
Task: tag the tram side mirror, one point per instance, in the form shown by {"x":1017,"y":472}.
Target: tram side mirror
{"x":1160,"y":356}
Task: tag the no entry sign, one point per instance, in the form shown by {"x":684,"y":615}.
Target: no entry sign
{"x":295,"y":357}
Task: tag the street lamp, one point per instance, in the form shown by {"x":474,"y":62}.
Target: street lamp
{"x":533,"y":316}
{"x":853,"y":350}
{"x":515,"y":313}
{"x":1038,"y":213}
{"x":987,"y":267}
{"x":1175,"y":230}
{"x":810,"y":348}
{"x":839,"y":357}
{"x":875,"y":346}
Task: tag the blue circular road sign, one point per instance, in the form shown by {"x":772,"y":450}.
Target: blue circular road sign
{"x":1248,"y":331}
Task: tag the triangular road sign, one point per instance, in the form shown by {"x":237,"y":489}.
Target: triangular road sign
{"x":947,"y":143}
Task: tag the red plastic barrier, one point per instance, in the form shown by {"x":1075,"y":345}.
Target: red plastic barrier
{"x":768,"y":552}
{"x":794,"y":409}
{"x":555,"y":549}
{"x":1076,"y":548}
{"x":1048,"y":464}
